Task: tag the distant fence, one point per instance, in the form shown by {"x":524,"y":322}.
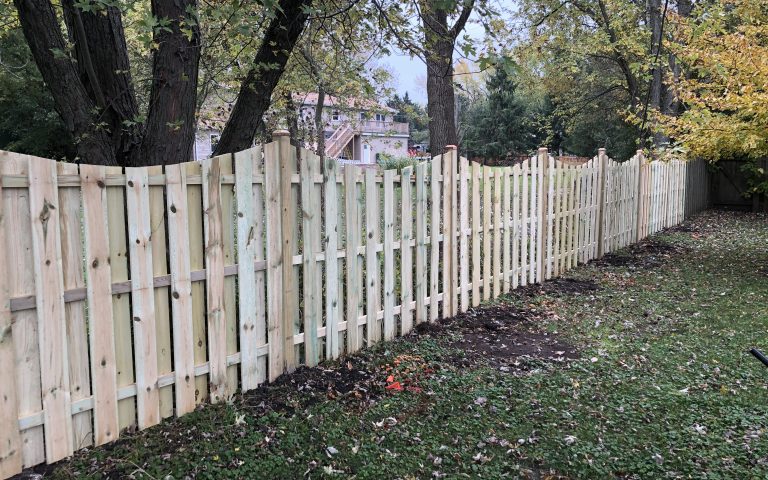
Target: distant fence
{"x":132,"y":295}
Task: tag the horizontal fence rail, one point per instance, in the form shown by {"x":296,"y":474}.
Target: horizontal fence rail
{"x":132,"y":295}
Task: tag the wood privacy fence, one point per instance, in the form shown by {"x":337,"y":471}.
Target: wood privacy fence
{"x":132,"y":295}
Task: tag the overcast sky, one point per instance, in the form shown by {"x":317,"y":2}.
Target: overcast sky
{"x":410,"y":74}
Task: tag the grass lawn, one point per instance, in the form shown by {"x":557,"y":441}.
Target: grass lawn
{"x":635,"y":366}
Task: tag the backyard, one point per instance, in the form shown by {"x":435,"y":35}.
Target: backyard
{"x":633,"y":366}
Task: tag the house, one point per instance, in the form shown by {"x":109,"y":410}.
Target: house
{"x":355,"y":130}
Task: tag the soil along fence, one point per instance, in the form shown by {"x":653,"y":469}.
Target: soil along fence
{"x":132,"y":295}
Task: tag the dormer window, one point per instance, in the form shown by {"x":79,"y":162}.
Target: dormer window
{"x":335,"y":116}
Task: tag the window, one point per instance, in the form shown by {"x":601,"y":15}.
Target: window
{"x":363,"y":116}
{"x":335,"y":116}
{"x":380,"y":117}
{"x":214,"y":141}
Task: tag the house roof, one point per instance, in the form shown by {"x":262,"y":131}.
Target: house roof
{"x":352,"y":103}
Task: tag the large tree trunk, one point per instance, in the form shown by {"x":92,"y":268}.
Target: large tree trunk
{"x":102,"y":60}
{"x":170,"y":127}
{"x":256,"y":89}
{"x":658,"y":87}
{"x":439,"y":41}
{"x":41,"y":29}
{"x":441,"y":99}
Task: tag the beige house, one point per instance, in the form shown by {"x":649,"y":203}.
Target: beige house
{"x":356,"y":130}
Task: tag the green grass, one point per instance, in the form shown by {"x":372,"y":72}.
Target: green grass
{"x":664,"y":388}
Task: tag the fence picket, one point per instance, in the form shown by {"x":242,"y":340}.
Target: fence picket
{"x":506,"y":203}
{"x":332,"y":298}
{"x":487,"y":211}
{"x":99,"y":300}
{"x":274,"y":258}
{"x":181,"y":289}
{"x":10,"y":436}
{"x":476,"y":219}
{"x":142,"y":296}
{"x":464,"y":233}
{"x":311,"y":230}
{"x":434,"y":233}
{"x":77,"y":328}
{"x":421,"y":243}
{"x":354,"y":286}
{"x":496,"y":260}
{"x":389,"y":255}
{"x":372,"y":278}
{"x":406,"y":251}
{"x":246,"y":274}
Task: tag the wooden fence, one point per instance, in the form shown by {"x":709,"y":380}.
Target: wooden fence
{"x":131,"y":295}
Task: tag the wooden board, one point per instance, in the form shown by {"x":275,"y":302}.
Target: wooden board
{"x":421,"y":243}
{"x":260,"y":292}
{"x":311,"y":215}
{"x":497,"y":230}
{"x":49,"y":295}
{"x":389,"y":255}
{"x":246,"y":273}
{"x":77,"y":327}
{"x":533,"y":230}
{"x":181,"y":289}
{"x":487,"y":234}
{"x":10,"y":437}
{"x":449,"y":238}
{"x":274,"y":254}
{"x":216,"y":315}
{"x":372,"y":276}
{"x":197,"y":262}
{"x":229,"y":247}
{"x":476,"y":226}
{"x":406,"y":251}
{"x":524,"y":223}
{"x":99,"y":299}
{"x":464,"y":234}
{"x":506,"y":203}
{"x":142,"y":296}
{"x":434,"y":233}
{"x":288,"y":222}
{"x":354,"y":280}
{"x":121,"y":303}
{"x":162,"y":294}
{"x":331,"y":243}
{"x":516,"y":226}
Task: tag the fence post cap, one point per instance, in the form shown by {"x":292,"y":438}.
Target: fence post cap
{"x":601,"y":151}
{"x":640,"y":151}
{"x":451,"y":147}
{"x":280,"y":133}
{"x":543,"y":149}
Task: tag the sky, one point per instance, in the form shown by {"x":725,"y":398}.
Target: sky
{"x":410,"y":74}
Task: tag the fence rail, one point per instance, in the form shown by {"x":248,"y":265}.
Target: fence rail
{"x":132,"y":295}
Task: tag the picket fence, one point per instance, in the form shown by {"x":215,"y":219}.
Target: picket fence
{"x":131,"y":295}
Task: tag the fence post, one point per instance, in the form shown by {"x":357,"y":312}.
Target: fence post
{"x":640,"y":196}
{"x":601,"y":202}
{"x":543,"y":219}
{"x":449,"y":237}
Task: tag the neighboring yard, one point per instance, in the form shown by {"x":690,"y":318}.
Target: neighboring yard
{"x":635,"y":366}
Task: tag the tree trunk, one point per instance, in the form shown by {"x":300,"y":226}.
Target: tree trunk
{"x":256,"y":89}
{"x":170,"y":127}
{"x":658,"y":88}
{"x":41,"y":29}
{"x":441,"y":99}
{"x":102,"y":60}
{"x":319,"y":124}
